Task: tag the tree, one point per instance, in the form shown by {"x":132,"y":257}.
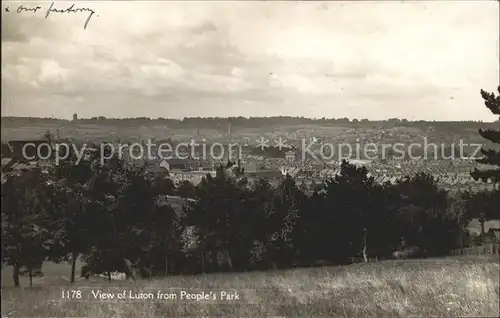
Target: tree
{"x":423,"y":217}
{"x":484,"y":205}
{"x":69,"y":218}
{"x":25,"y":239}
{"x":223,"y":220}
{"x":150,"y":235}
{"x":491,"y":156}
{"x":349,"y":201}
{"x":185,"y":190}
{"x":260,"y":210}
{"x":165,"y":230}
{"x":287,"y":202}
{"x":212,"y":213}
{"x":458,"y":211}
{"x":65,"y":218}
{"x":312,"y":236}
{"x":102,"y":192}
{"x":164,"y":185}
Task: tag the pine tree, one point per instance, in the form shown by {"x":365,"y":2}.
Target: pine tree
{"x":491,"y":156}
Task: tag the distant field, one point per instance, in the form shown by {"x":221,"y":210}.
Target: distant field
{"x":24,"y":129}
{"x":110,"y":132}
{"x":433,"y":287}
{"x":91,"y":132}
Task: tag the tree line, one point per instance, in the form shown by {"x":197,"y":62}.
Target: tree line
{"x":221,"y":123}
{"x":104,"y":214}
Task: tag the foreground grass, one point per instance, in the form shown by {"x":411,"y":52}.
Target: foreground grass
{"x":437,"y":287}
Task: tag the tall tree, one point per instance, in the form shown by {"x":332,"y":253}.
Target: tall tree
{"x":213,"y":214}
{"x":103,"y":192}
{"x":457,"y":210}
{"x":287,"y":203}
{"x":423,"y":216}
{"x":491,"y":156}
{"x":260,"y":211}
{"x":348,"y":200}
{"x":147,"y":227}
{"x":26,"y":240}
{"x":68,"y":215}
{"x":165,"y":231}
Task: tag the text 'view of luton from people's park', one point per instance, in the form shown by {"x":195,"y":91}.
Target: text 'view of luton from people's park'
{"x":248,"y":159}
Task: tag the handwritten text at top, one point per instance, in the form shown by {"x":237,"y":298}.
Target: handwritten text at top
{"x":52,"y":9}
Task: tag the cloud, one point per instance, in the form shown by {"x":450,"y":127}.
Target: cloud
{"x":11,"y":28}
{"x":374,"y":60}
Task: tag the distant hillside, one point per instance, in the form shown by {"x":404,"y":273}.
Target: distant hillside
{"x":252,"y":122}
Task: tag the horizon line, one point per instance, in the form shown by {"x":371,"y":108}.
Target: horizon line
{"x":358,"y":120}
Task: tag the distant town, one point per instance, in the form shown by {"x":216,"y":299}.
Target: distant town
{"x":450,"y":166}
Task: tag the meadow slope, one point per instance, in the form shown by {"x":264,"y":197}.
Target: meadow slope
{"x":432,"y":287}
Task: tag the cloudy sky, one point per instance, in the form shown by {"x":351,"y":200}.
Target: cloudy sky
{"x":415,"y":60}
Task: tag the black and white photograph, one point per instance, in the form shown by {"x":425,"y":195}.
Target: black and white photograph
{"x":250,"y":158}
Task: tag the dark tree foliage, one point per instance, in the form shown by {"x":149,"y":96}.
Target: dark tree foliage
{"x":69,"y":217}
{"x":112,"y":215}
{"x":491,"y":156}
{"x":26,"y":239}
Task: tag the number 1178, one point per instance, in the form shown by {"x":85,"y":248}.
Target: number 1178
{"x":71,"y":294}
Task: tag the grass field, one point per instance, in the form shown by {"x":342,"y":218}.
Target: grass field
{"x":434,"y":287}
